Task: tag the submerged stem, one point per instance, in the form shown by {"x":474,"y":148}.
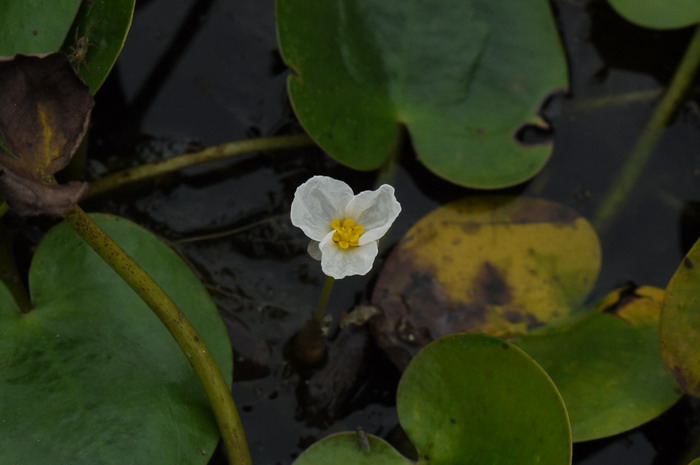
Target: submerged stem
{"x":128,"y":176}
{"x":309,"y":346}
{"x":181,"y":329}
{"x":646,"y":143}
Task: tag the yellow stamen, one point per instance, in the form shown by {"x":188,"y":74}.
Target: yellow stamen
{"x":347,"y":233}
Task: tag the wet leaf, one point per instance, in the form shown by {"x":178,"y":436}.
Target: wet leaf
{"x":29,"y":26}
{"x":680,"y":323}
{"x":608,"y":366}
{"x":97,"y":38}
{"x":499,"y":265}
{"x":463,"y":77}
{"x":495,"y":405}
{"x":44,"y":112}
{"x":90,"y":375}
{"x":657,"y":14}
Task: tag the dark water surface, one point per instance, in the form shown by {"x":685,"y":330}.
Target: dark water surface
{"x":200,"y":73}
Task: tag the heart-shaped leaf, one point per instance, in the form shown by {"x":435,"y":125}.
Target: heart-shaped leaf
{"x":680,"y":323}
{"x":90,"y":375}
{"x":463,"y":76}
{"x":31,"y":26}
{"x":466,"y":399}
{"x":608,"y":366}
{"x":659,"y":14}
{"x":498,"y":265}
{"x":97,"y":38}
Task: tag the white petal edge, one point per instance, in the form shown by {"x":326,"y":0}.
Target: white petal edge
{"x":314,"y":251}
{"x":317,"y":202}
{"x":375,"y":210}
{"x":338,"y":263}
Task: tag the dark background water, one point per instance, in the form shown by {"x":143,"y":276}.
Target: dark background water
{"x":204,"y":72}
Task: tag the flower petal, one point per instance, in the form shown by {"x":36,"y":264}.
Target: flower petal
{"x":313,"y":250}
{"x":339,"y":263}
{"x":317,"y":202}
{"x":375,"y":210}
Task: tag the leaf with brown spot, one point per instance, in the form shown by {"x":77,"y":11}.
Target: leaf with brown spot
{"x":499,"y":265}
{"x":44,"y":113}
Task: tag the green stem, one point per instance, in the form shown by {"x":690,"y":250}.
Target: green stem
{"x":128,"y":176}
{"x":645,"y":145}
{"x":184,"y":333}
{"x":323,"y":300}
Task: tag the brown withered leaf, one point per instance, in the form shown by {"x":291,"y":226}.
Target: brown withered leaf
{"x":44,"y":113}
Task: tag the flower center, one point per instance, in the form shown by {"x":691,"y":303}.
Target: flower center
{"x":347,"y":233}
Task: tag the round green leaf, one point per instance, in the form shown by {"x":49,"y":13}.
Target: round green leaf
{"x":32,"y":26}
{"x":351,"y":449}
{"x":659,"y":14}
{"x":498,"y":265}
{"x":695,"y":462}
{"x":463,"y":76}
{"x":97,"y":38}
{"x":680,"y":323}
{"x":608,"y":368}
{"x":474,"y":399}
{"x":90,"y":375}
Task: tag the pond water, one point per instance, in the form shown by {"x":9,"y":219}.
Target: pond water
{"x":195,"y":74}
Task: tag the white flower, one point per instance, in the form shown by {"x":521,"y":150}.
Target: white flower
{"x":344,"y":228}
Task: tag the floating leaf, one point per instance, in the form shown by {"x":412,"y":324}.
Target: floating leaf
{"x":32,"y":26}
{"x":43,"y":117}
{"x":351,"y":449}
{"x":680,"y":323}
{"x":91,"y":375}
{"x":97,"y":38}
{"x":462,"y":76}
{"x":608,"y":367}
{"x":498,"y":265}
{"x":495,"y":405}
{"x":658,"y":14}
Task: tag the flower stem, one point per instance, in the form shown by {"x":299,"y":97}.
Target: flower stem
{"x":645,"y":145}
{"x":128,"y":176}
{"x":181,"y":329}
{"x":323,"y":300}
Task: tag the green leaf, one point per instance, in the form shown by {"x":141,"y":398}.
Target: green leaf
{"x":97,"y":38}
{"x":466,"y":399}
{"x":680,"y":323}
{"x":659,"y":14}
{"x":351,"y":449}
{"x":695,"y":462}
{"x":474,"y":399}
{"x":608,"y":368}
{"x":90,"y":375}
{"x":498,"y":265}
{"x":32,"y":26}
{"x":463,"y":76}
